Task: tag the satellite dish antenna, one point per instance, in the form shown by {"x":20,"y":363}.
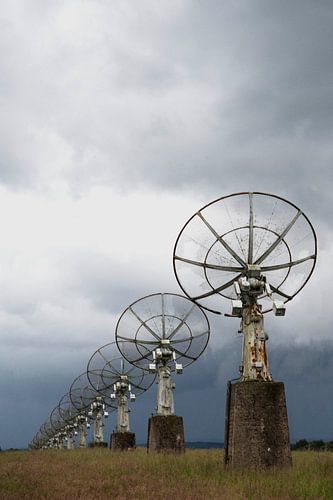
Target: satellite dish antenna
{"x":162,"y":333}
{"x":47,"y":434}
{"x":58,"y":424}
{"x":39,"y":441}
{"x":43,"y":438}
{"x":92,"y":404}
{"x":121,"y":381}
{"x":82,"y":395}
{"x":256,"y":250}
{"x":68,"y":414}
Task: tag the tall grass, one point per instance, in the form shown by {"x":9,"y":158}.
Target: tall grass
{"x":198,"y":474}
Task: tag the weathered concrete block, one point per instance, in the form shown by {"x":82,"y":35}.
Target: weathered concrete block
{"x":166,"y":433}
{"x":122,"y":441}
{"x":256,"y":426}
{"x":98,"y":445}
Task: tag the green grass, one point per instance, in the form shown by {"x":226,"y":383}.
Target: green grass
{"x":198,"y":474}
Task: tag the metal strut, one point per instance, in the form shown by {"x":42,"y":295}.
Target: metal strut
{"x":165,"y":401}
{"x":97,"y":411}
{"x":81,"y":431}
{"x":255,"y":363}
{"x":254,"y":357}
{"x":70,"y":437}
{"x":121,"y":390}
{"x":162,"y":357}
{"x":98,"y":427}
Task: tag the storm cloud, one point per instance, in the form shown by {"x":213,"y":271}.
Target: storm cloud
{"x":119,"y":120}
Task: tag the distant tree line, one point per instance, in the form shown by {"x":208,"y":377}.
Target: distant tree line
{"x":318,"y":445}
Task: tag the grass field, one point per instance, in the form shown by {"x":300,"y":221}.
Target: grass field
{"x":198,"y":474}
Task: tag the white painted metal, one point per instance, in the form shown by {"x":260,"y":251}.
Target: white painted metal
{"x":162,"y":357}
{"x":57,"y":442}
{"x":70,"y":438}
{"x":82,"y":432}
{"x":254,"y":357}
{"x":97,"y":409}
{"x":165,"y":401}
{"x":255,"y":363}
{"x":122,"y":389}
{"x":98,"y":427}
{"x":123,"y":414}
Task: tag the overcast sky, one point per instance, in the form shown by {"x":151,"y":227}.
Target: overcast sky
{"x":119,"y":120}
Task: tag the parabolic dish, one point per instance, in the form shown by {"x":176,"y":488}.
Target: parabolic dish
{"x":159,"y":320}
{"x":82,"y":393}
{"x":108,"y":361}
{"x":230,"y":236}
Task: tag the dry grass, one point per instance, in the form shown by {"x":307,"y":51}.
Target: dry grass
{"x":199,"y":474}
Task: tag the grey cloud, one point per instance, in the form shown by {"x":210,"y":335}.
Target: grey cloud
{"x":109,"y":285}
{"x":211,"y":94}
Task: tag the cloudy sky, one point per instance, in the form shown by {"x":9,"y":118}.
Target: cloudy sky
{"x":119,"y":120}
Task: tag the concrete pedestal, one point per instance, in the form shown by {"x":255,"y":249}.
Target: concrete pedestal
{"x":98,"y":445}
{"x":256,"y":427}
{"x":122,"y":441}
{"x":166,"y":433}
